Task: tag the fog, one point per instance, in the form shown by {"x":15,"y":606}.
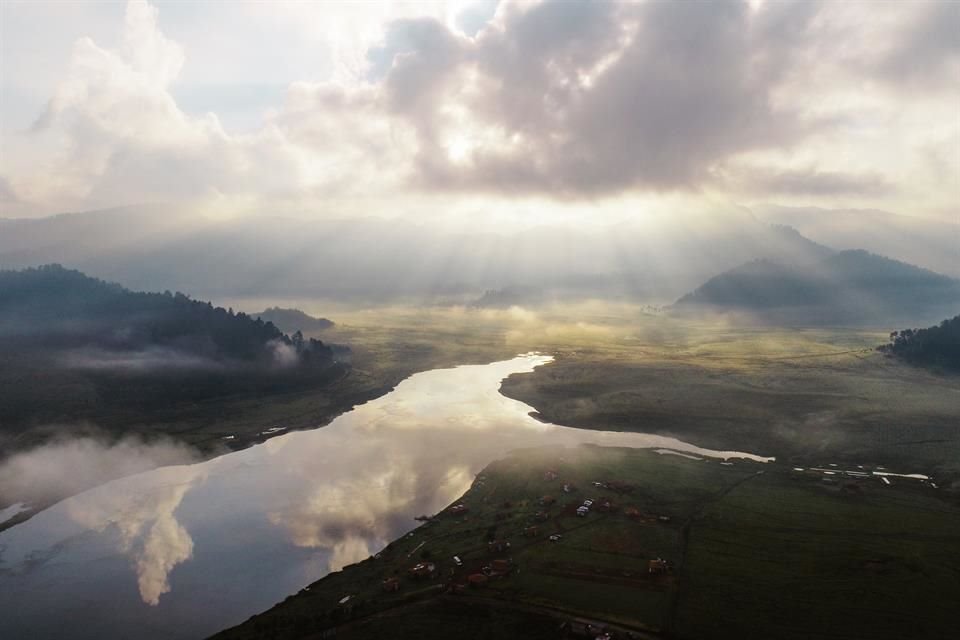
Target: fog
{"x":934,"y":244}
{"x":149,"y":360}
{"x":67,"y":465}
{"x":657,"y":257}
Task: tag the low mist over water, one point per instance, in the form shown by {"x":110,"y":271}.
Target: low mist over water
{"x":70,"y":464}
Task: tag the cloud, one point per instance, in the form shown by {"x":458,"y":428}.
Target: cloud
{"x":926,"y":50}
{"x":149,"y":532}
{"x":7,"y":194}
{"x":811,"y":181}
{"x":284,"y":355}
{"x":593,"y":99}
{"x":146,"y":360}
{"x":555,"y":100}
{"x":67,"y":465}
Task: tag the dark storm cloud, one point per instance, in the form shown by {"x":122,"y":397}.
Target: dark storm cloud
{"x":602,"y":97}
{"x":415,"y":57}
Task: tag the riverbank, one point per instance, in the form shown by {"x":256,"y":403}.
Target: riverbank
{"x":669,"y":546}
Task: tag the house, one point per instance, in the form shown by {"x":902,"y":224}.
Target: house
{"x":498,"y":546}
{"x":531,"y":532}
{"x":391,"y":584}
{"x":541,"y":516}
{"x":657,"y":566}
{"x":582,"y":511}
{"x":606,"y":506}
{"x":632,"y":512}
{"x":476,"y":579}
{"x":550,"y":476}
{"x":459,"y":509}
{"x":547,"y":500}
{"x":501,"y":567}
{"x":423,"y":570}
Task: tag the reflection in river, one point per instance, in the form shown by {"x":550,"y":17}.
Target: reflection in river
{"x":181,"y":552}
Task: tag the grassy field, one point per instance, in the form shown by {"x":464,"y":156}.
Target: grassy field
{"x":807,"y":396}
{"x":802,"y":394}
{"x":755,"y":551}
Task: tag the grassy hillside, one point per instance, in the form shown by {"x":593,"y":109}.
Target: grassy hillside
{"x":752,"y":550}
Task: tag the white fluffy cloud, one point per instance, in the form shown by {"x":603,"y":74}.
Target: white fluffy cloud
{"x":555,"y":100}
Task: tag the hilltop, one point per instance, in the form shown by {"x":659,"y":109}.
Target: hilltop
{"x":293,"y":320}
{"x":848,"y":286}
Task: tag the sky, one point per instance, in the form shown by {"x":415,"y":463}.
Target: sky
{"x":509,"y":110}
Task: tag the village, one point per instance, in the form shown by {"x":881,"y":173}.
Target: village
{"x":517,"y":530}
{"x":562,"y":517}
{"x":609,"y":544}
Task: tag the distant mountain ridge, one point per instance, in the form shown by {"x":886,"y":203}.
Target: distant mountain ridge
{"x":934,"y":244}
{"x":848,"y":286}
{"x":654,"y":257}
{"x":293,"y":320}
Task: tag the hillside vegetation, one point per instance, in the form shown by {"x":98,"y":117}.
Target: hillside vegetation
{"x":937,"y":346}
{"x":78,"y":349}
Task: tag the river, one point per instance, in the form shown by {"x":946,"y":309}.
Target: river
{"x":184,"y":551}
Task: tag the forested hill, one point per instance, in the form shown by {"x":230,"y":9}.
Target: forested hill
{"x":849,"y":285}
{"x":937,"y":346}
{"x":63,"y":307}
{"x":293,"y":320}
{"x":76,"y":350}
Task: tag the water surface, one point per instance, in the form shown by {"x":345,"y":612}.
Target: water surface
{"x":182,"y":552}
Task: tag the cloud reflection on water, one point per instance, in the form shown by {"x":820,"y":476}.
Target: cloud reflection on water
{"x":337,"y":494}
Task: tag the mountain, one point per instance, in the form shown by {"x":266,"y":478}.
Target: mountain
{"x":67,"y":306}
{"x":849,"y":286}
{"x":933,"y":244}
{"x":937,"y":346}
{"x":293,"y":320}
{"x":652,"y":257}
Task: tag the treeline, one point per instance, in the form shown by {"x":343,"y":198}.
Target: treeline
{"x":63,"y":307}
{"x":75,"y":349}
{"x":937,"y":346}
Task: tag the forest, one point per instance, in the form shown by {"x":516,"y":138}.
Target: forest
{"x":937,"y":346}
{"x":75,"y":348}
